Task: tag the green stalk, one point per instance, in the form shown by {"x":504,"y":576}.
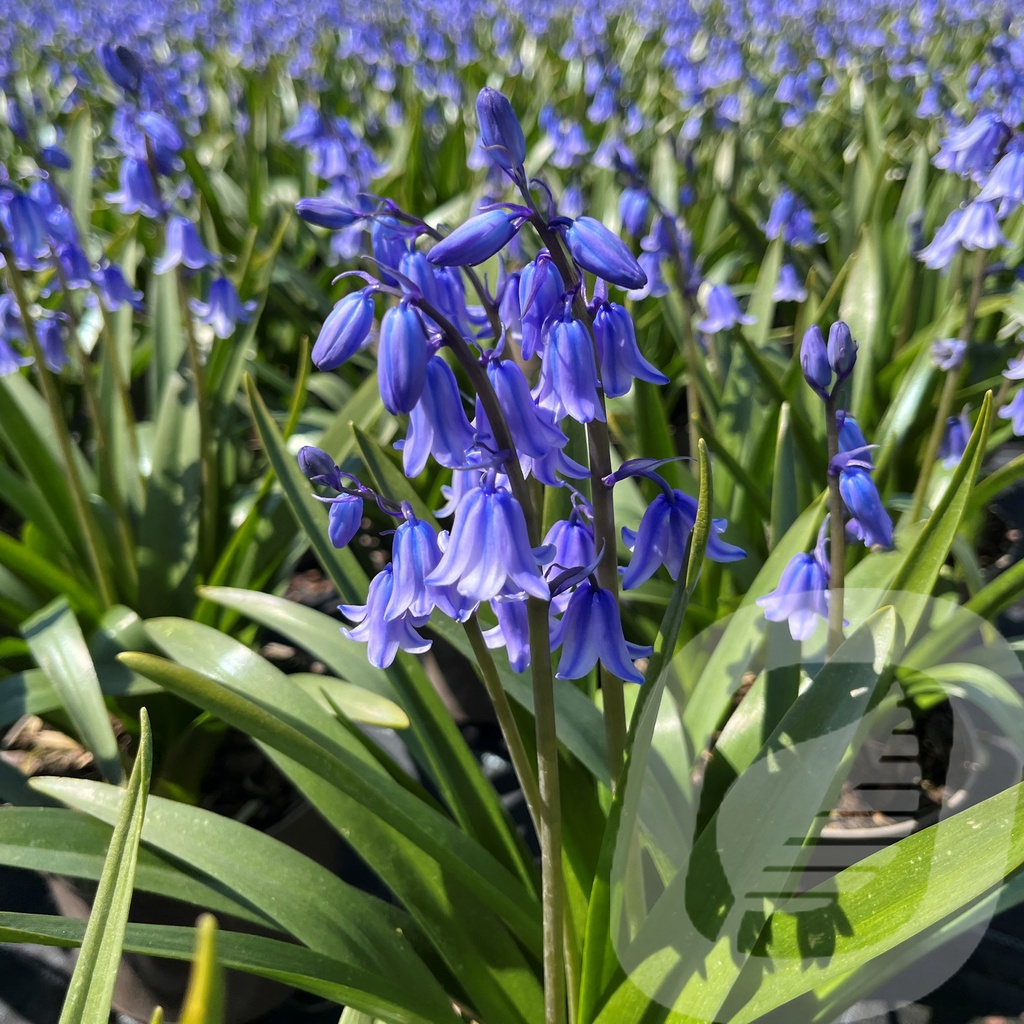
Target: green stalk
{"x":506,"y":720}
{"x":90,"y":530}
{"x":837,"y":534}
{"x":950,"y":389}
{"x":552,"y":878}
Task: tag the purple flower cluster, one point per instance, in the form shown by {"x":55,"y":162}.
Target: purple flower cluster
{"x":543,"y":350}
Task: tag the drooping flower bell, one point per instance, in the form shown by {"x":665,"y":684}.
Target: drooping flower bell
{"x":954,"y":440}
{"x":540,"y":290}
{"x":568,"y":375}
{"x":789,"y":287}
{"x":591,"y":631}
{"x":224,"y":310}
{"x":344,"y":519}
{"x":489,"y":550}
{"x":871,"y":522}
{"x":437,"y":423}
{"x":384,"y":637}
{"x":801,"y":597}
{"x":532,"y":428}
{"x":415,"y":554}
{"x":618,"y":352}
{"x":663,"y":535}
{"x":723,"y":311}
{"x":512,"y":632}
{"x":183,"y":246}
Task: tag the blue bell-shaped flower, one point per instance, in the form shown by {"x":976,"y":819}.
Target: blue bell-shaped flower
{"x":540,"y":290}
{"x":489,"y":550}
{"x":345,"y":330}
{"x":437,"y":424}
{"x":591,"y":631}
{"x":619,"y":353}
{"x":501,"y":135}
{"x":801,"y":597}
{"x":401,"y":358}
{"x":384,"y":637}
{"x":344,"y":519}
{"x":568,"y":373}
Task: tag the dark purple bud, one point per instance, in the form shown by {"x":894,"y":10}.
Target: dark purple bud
{"x":501,"y":135}
{"x":54,"y":156}
{"x":401,"y":358}
{"x":477,"y":240}
{"x":814,"y":361}
{"x":327,"y":212}
{"x":603,"y":253}
{"x":123,"y":65}
{"x":842,"y":350}
{"x":318,"y":467}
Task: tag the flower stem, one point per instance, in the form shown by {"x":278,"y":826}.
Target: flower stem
{"x":550,"y":831}
{"x":949,"y":389}
{"x":837,"y":534}
{"x":521,"y":761}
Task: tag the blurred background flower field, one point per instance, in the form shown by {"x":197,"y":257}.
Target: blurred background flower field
{"x":206,"y":211}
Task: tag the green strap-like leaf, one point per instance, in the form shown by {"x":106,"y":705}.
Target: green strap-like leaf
{"x":370,"y":791}
{"x":92,"y":984}
{"x":363,"y":933}
{"x":57,"y":644}
{"x":914,"y":884}
{"x":320,"y":975}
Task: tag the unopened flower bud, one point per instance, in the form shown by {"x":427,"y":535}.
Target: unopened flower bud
{"x":500,"y":132}
{"x":603,"y":253}
{"x":814,"y":361}
{"x":842,"y":350}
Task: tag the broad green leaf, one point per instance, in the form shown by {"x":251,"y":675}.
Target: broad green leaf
{"x":920,"y":569}
{"x":366,"y":936}
{"x":285,"y":962}
{"x":357,"y":703}
{"x":163,"y":301}
{"x":57,"y":644}
{"x":913,"y":885}
{"x":440,"y":747}
{"x":762,"y":302}
{"x":373,"y":797}
{"x":487,"y":962}
{"x":861,"y":308}
{"x":92,"y":983}
{"x":695,"y":940}
{"x":61,"y":842}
